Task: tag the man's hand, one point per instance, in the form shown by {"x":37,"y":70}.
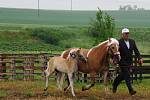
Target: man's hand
{"x":140,"y":61}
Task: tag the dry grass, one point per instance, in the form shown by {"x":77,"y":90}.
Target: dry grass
{"x":34,"y":91}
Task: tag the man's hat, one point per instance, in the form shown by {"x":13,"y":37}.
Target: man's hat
{"x":125,"y":30}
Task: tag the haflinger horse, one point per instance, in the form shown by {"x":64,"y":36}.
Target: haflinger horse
{"x":61,"y":66}
{"x":98,"y":60}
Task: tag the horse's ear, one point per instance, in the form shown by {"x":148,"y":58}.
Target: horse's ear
{"x":78,"y":50}
{"x":109,"y":39}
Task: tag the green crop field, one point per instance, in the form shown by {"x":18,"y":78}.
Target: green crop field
{"x":54,"y":17}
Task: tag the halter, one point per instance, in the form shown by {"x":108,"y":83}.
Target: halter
{"x":116,"y":53}
{"x":112,"y":53}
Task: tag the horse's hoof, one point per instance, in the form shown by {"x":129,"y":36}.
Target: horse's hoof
{"x":65,"y":89}
{"x":45,"y":89}
{"x":45,"y":94}
{"x":83,"y":88}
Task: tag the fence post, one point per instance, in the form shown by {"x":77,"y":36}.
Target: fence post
{"x":85,"y":78}
{"x":134,"y":70}
{"x":2,"y":66}
{"x":140,"y":76}
{"x":43,"y":61}
{"x":12,"y":67}
{"x":28,"y":67}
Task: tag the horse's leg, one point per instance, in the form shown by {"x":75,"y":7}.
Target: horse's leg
{"x":47,"y":77}
{"x":47,"y":74}
{"x":61,"y":80}
{"x":59,"y":74}
{"x":46,"y":83}
{"x":70,"y":76}
{"x":106,"y":81}
{"x":87,"y":87}
{"x":67,"y":88}
{"x":68,"y":85}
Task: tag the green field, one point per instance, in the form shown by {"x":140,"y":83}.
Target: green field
{"x":20,"y":38}
{"x":19,"y":29}
{"x":54,"y":17}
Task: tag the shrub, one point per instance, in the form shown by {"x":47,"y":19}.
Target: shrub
{"x":102,"y":27}
{"x":47,"y":35}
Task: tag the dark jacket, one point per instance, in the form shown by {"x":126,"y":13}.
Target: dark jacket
{"x":127,"y":54}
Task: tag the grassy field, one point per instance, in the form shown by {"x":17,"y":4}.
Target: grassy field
{"x":22,"y":38}
{"x":69,"y":28}
{"x":18,"y":33}
{"x":54,"y":17}
{"x":34,"y":90}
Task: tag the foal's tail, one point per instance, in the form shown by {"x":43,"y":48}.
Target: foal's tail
{"x":46,"y":71}
{"x":49,"y":68}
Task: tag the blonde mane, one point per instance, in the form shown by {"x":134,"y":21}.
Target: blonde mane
{"x":113,"y":41}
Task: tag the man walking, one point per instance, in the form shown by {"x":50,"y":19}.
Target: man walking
{"x":126,"y":48}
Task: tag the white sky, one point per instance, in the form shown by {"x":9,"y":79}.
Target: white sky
{"x":77,"y":4}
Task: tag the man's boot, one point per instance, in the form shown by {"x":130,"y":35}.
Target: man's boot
{"x":132,"y":92}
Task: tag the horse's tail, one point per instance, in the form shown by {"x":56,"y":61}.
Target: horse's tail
{"x":49,"y":67}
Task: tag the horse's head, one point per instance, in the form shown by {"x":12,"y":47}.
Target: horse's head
{"x":113,"y":51}
{"x":77,"y":54}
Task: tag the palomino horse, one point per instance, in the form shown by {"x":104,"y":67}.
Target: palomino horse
{"x":98,"y":59}
{"x":62,"y":65}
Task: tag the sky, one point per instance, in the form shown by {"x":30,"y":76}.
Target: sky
{"x":76,"y":4}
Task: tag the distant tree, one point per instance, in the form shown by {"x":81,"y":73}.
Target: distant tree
{"x":129,"y":8}
{"x":102,"y":27}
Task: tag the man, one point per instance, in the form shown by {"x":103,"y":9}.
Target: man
{"x":126,"y":48}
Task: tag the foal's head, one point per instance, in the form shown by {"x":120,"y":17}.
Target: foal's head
{"x":76,"y":54}
{"x":113,"y":51}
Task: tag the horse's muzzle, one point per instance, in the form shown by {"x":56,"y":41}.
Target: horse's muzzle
{"x":116,"y":59}
{"x":83,"y":59}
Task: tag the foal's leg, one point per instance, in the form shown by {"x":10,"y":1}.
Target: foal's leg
{"x":47,"y":77}
{"x":47,"y":74}
{"x":70,"y":76}
{"x":68,"y":85}
{"x":67,"y":88}
{"x":87,"y":87}
{"x":59,"y":74}
{"x":106,"y":81}
{"x":61,"y":79}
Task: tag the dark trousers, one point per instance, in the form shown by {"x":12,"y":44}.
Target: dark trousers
{"x":124,"y":74}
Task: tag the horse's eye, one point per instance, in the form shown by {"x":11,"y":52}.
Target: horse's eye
{"x":113,"y":47}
